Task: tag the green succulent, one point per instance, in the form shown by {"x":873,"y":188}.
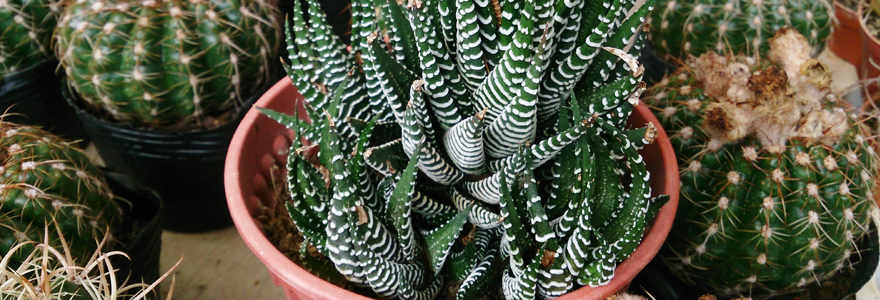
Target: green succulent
{"x":777,"y":172}
{"x":681,"y":28}
{"x":171,"y":65}
{"x":26,"y":28}
{"x":49,"y":183}
{"x":462,"y":146}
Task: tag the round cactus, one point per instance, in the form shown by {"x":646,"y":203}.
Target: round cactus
{"x":168,"y":64}
{"x":26,"y":28}
{"x":680,"y":27}
{"x":50,"y":187}
{"x":776,"y":175}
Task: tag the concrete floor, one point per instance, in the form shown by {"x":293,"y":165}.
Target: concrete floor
{"x":218,"y":265}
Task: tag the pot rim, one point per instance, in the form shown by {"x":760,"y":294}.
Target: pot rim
{"x":288,"y":272}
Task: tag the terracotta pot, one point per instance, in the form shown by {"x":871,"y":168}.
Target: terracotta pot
{"x":870,"y":66}
{"x":846,"y":37}
{"x":259,"y":143}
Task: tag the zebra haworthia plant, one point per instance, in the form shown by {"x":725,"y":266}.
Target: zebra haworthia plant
{"x":465,"y":145}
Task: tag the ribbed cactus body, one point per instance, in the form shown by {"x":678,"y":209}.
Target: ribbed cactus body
{"x":47,"y":182}
{"x":776,"y":177}
{"x":178,"y":64}
{"x":26,"y":28}
{"x":679,"y":28}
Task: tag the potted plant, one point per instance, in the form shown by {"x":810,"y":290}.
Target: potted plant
{"x":53,"y":194}
{"x":457,"y":197}
{"x":778,"y":172}
{"x":51,"y":271}
{"x":28,"y":68}
{"x":683,"y":28}
{"x":161,"y":96}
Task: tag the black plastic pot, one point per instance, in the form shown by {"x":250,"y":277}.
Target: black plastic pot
{"x":144,"y":248}
{"x":186,"y":169}
{"x":33,"y":97}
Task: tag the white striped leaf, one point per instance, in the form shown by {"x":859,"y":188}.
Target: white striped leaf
{"x":393,"y":77}
{"x":440,"y":240}
{"x":479,"y":282}
{"x":469,"y":53}
{"x":600,"y":268}
{"x":399,"y":209}
{"x":478,"y":214}
{"x":599,"y":73}
{"x":441,"y":95}
{"x":464,"y":144}
{"x":505,"y":81}
{"x":554,"y":278}
{"x":387,"y":159}
{"x":560,"y":81}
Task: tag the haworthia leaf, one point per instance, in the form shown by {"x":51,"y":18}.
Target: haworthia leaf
{"x":517,"y":123}
{"x":343,"y":202}
{"x":319,"y":266}
{"x":403,"y":41}
{"x":442,"y":96}
{"x":440,"y":240}
{"x":554,"y":278}
{"x":478,"y":214}
{"x":464,"y":144}
{"x":600,"y":270}
{"x":504,"y":82}
{"x":399,"y":208}
{"x":407,"y":290}
{"x":469,"y":54}
{"x":488,"y":31}
{"x":388,"y":158}
{"x":394,"y":79}
{"x":462,"y":262}
{"x":515,"y":232}
{"x":599,"y":73}
{"x":537,"y":218}
{"x":480,"y":281}
{"x":560,"y":81}
{"x":625,"y":232}
{"x":334,"y":60}
{"x":310,"y":228}
{"x":522,"y":287}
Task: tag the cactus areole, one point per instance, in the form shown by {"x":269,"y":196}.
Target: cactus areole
{"x":26,"y":28}
{"x":49,"y":190}
{"x":169,"y":65}
{"x":464,"y":146}
{"x":776,"y":173}
{"x":680,"y":28}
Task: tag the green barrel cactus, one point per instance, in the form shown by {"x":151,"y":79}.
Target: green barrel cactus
{"x":681,"y":28}
{"x":49,"y":186}
{"x":26,"y":28}
{"x":777,"y":174}
{"x":469,"y":148}
{"x":168,"y":65}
